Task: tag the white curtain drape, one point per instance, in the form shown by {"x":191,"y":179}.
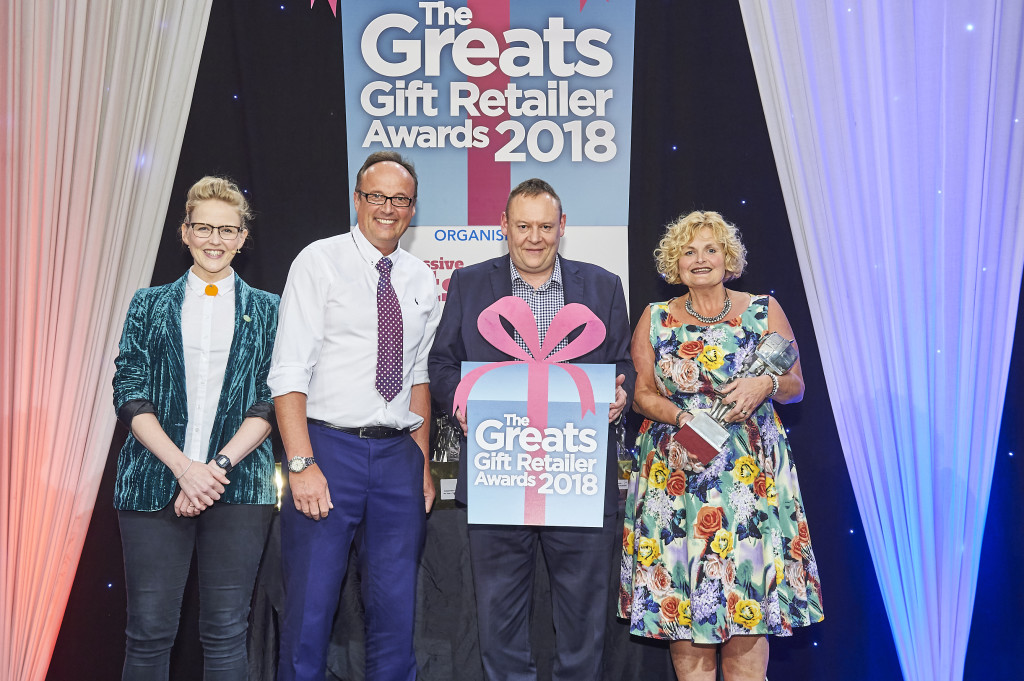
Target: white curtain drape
{"x":897,"y":132}
{"x":95,"y":100}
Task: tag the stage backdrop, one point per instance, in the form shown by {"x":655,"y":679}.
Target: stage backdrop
{"x":269,"y":110}
{"x":483,"y":94}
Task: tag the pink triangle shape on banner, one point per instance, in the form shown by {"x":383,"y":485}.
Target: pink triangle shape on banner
{"x":334,"y":5}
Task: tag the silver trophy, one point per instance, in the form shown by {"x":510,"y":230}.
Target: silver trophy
{"x":705,"y":434}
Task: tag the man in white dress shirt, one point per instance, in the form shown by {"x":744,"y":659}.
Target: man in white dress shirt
{"x":349,"y":379}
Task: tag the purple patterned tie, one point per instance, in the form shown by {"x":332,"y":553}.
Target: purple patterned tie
{"x":389,"y":335}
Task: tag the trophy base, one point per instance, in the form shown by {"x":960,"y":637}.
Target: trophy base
{"x":703,"y":437}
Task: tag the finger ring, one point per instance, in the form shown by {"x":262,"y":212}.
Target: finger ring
{"x":744,"y":412}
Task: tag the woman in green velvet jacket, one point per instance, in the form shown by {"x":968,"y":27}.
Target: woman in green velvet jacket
{"x":197,"y":470}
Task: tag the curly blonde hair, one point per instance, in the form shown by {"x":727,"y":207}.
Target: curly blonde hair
{"x":681,"y":231}
{"x":221,"y":189}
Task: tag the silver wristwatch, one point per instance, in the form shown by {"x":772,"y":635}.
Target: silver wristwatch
{"x":300,"y":463}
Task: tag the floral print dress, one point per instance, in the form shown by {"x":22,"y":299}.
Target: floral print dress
{"x":722,"y":550}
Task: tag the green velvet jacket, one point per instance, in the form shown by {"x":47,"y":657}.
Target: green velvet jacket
{"x":151,"y":367}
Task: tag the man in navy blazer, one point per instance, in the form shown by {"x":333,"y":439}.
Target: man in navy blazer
{"x":503,"y":557}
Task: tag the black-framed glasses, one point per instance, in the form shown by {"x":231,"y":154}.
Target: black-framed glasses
{"x":203,"y":230}
{"x":378,"y":199}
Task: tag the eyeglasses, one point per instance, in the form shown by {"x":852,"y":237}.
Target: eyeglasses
{"x":203,"y":230}
{"x":380,"y":199}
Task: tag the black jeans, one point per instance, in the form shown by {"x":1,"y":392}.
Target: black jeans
{"x":229,"y":540}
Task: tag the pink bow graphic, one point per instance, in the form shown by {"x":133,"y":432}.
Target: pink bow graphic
{"x":538,"y":360}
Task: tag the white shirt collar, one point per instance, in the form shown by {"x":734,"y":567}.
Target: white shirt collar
{"x":368,"y":251}
{"x":198,"y":287}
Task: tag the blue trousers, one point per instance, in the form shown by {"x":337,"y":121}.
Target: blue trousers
{"x":229,"y":540}
{"x":377,"y":490}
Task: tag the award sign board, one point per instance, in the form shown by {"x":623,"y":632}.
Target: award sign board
{"x":525,"y":473}
{"x":538,"y":425}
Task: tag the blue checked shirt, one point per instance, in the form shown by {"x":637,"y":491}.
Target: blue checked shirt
{"x":544,"y":302}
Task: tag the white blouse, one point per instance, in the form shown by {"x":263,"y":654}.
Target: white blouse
{"x":207,"y":329}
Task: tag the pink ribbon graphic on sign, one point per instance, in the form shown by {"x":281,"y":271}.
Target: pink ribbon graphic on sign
{"x":539,"y":358}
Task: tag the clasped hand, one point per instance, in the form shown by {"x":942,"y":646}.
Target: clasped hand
{"x":745,"y":395}
{"x":201,"y":485}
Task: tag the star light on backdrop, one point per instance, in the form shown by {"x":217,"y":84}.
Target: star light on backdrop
{"x":108,"y":585}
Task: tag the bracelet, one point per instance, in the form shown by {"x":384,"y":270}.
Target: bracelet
{"x":679,"y":416}
{"x":775,"y":386}
{"x":190,"y":462}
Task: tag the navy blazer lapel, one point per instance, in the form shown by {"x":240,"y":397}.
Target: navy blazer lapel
{"x":501,"y":278}
{"x":572,"y":282}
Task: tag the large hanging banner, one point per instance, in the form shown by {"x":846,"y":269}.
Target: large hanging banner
{"x":483,"y":94}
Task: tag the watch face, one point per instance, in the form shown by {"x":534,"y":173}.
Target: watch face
{"x":297,"y":465}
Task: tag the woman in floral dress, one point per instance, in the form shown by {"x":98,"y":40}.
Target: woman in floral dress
{"x":714,"y":556}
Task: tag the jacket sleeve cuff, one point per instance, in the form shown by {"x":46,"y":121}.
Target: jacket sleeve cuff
{"x":132,"y":408}
{"x":262,"y":410}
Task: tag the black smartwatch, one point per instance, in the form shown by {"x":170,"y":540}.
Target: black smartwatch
{"x":224,"y":462}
